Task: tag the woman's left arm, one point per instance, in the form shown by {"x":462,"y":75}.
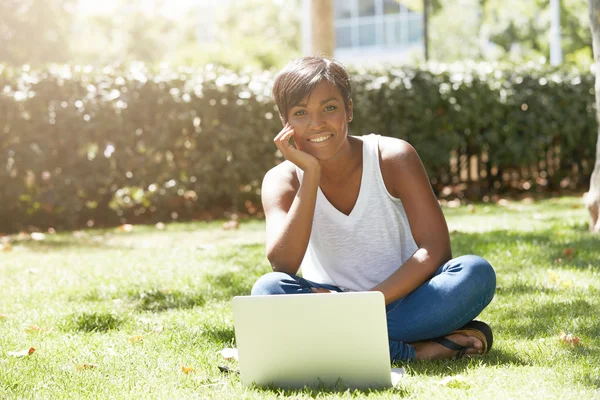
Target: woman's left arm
{"x":406,"y":179}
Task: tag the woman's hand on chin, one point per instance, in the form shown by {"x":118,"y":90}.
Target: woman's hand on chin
{"x":301,"y":159}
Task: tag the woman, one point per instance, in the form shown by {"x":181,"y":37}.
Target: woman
{"x":357,"y":214}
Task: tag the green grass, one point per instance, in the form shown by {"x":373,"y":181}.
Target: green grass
{"x":94,"y":294}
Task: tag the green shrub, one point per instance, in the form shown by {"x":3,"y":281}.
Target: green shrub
{"x":109,"y":146}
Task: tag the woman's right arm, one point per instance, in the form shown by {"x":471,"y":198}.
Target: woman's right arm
{"x":289,"y":209}
{"x":289,"y":214}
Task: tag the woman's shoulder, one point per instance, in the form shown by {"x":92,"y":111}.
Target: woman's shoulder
{"x":282,"y":175}
{"x":395,"y":151}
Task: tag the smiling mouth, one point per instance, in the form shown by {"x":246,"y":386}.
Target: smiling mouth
{"x":320,"y":138}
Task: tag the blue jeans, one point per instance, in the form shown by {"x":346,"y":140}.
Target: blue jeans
{"x":458,"y":291}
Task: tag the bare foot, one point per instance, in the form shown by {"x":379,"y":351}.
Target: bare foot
{"x":435,"y":351}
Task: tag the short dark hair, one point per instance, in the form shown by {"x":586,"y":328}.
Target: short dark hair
{"x":297,"y":79}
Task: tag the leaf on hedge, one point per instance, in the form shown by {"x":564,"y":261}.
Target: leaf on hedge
{"x":83,"y":367}
{"x":569,"y":339}
{"x":187,"y":370}
{"x":135,"y":339}
{"x":22,"y":353}
{"x":38,"y":236}
{"x":229,"y":353}
{"x":125,"y":228}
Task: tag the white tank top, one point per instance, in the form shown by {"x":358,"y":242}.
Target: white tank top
{"x":358,"y":251}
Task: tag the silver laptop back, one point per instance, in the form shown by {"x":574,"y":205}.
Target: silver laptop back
{"x":299,"y":340}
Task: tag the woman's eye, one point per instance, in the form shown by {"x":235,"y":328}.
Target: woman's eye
{"x":330,"y":108}
{"x":299,"y":113}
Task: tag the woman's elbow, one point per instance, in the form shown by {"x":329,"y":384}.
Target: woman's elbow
{"x":279,"y":265}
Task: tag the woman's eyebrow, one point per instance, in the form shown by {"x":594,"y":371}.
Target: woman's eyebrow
{"x":327,"y":100}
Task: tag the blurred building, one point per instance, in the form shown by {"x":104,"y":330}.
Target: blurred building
{"x":370,"y":30}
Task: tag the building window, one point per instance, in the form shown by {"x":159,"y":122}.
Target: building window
{"x":362,"y":24}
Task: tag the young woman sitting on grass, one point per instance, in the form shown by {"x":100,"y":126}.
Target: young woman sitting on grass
{"x":358,"y":214}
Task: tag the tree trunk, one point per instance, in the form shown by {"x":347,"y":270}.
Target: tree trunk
{"x":592,"y":198}
{"x":323,"y":34}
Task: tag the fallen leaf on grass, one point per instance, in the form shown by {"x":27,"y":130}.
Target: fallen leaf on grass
{"x":22,"y":353}
{"x":557,"y":281}
{"x":158,"y":329}
{"x":567,"y":284}
{"x":125,"y":228}
{"x":160,"y":226}
{"x":34,"y":329}
{"x":229,"y":353}
{"x":84,"y":366}
{"x":568,"y":252}
{"x":569,"y":339}
{"x":135,"y":339}
{"x":2,"y":316}
{"x":187,"y":370}
{"x":6,"y":247}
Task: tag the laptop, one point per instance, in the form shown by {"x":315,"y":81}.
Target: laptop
{"x":313,"y":340}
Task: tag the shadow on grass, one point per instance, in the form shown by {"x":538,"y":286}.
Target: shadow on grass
{"x":495,"y":357}
{"x":226,"y":285}
{"x":318,"y":391}
{"x":591,"y":379}
{"x":521,"y":288}
{"x":92,"y":322}
{"x":220,"y":335}
{"x":544,"y":319}
{"x":161,"y":300}
{"x":546,"y":247}
{"x":66,"y":243}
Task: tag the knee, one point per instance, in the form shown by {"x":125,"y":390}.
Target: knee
{"x":481,"y":272}
{"x":270,"y":283}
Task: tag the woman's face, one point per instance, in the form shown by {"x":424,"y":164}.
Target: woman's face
{"x":320,"y":121}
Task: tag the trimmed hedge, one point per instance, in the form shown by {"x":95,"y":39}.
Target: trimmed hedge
{"x":109,"y":146}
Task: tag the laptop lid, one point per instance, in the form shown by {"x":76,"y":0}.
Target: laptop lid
{"x":300,"y":340}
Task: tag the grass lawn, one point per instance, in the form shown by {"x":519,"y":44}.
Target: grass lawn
{"x":117,"y":314}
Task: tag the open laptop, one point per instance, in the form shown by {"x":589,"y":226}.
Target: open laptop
{"x":299,"y":340}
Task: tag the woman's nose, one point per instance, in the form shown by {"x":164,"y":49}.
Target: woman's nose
{"x":316,"y":121}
